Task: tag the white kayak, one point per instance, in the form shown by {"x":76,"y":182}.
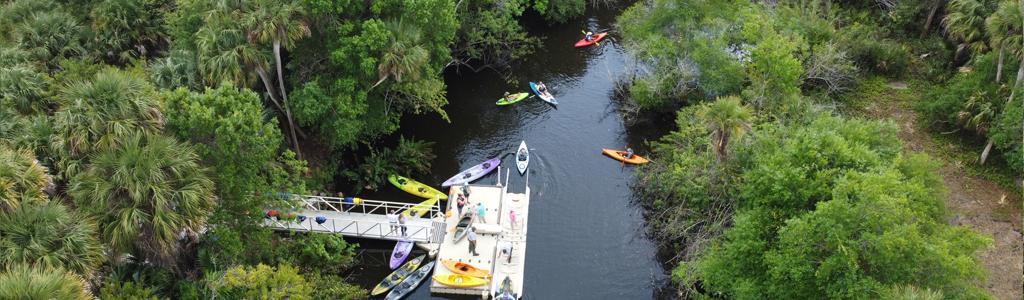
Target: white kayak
{"x":547,"y":97}
{"x":522,"y":158}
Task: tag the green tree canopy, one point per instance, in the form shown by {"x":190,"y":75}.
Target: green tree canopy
{"x":48,"y":235}
{"x":100,"y":112}
{"x":22,"y":178}
{"x":23,"y":282}
{"x":144,"y":194}
{"x":230,"y":135}
{"x":831,"y":209}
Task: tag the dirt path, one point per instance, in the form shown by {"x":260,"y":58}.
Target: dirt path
{"x":974,"y":202}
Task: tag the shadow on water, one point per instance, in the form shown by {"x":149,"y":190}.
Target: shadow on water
{"x":586,"y":239}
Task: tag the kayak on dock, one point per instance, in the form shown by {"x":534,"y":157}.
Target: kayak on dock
{"x":459,"y":280}
{"x":415,"y":187}
{"x":463,"y":226}
{"x":515,"y":98}
{"x":621,"y":156}
{"x":473,"y":173}
{"x":546,"y":97}
{"x":593,"y":39}
{"x":465,"y":269}
{"x":505,"y":292}
{"x":396,"y":277}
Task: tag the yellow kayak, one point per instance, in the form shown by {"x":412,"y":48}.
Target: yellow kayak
{"x":416,"y":188}
{"x":459,"y":280}
{"x":420,"y":209}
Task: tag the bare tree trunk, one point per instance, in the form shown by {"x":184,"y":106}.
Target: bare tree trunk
{"x":984,"y":154}
{"x":273,"y":99}
{"x":284,"y":93}
{"x":999,"y":68}
{"x":1020,"y":78}
{"x":931,"y":15}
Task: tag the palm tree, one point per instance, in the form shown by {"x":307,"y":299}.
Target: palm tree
{"x":50,"y":36}
{"x":280,"y":22}
{"x":179,"y":69}
{"x":23,"y":85}
{"x":33,"y":283}
{"x":965,"y":21}
{"x":1004,"y":31}
{"x":144,"y":194}
{"x":126,"y":27}
{"x":16,"y":12}
{"x":910,"y":292}
{"x":726,"y":119}
{"x":48,"y":235}
{"x":404,"y":54}
{"x":100,"y":113}
{"x":22,"y":179}
{"x":224,"y":54}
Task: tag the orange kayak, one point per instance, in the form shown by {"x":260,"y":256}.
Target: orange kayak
{"x":466,"y":269}
{"x":621,"y":155}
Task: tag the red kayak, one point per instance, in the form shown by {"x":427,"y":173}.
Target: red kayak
{"x":593,"y":39}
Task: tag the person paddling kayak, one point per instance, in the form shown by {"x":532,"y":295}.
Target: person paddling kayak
{"x":589,"y":35}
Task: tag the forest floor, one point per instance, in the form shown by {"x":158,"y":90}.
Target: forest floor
{"x":973,"y":201}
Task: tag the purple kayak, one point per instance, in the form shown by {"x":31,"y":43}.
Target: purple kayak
{"x":473,"y":173}
{"x":402,"y":249}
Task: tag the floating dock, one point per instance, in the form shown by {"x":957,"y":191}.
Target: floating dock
{"x":497,"y":229}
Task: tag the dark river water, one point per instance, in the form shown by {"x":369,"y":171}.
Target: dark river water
{"x":586,"y":238}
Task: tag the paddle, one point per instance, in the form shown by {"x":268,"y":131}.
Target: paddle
{"x":624,"y":160}
{"x":585,"y":32}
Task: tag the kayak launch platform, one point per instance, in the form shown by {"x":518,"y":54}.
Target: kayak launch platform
{"x":497,"y":229}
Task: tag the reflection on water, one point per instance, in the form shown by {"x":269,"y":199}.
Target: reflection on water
{"x":585,"y":240}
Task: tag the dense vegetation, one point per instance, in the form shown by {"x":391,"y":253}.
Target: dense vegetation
{"x":774,"y":187}
{"x":137,"y":137}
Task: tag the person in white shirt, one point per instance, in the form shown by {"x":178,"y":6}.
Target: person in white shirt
{"x":393,"y":219}
{"x":471,"y":236}
{"x":506,"y":249}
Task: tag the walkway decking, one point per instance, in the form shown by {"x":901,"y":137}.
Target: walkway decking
{"x":365,"y":219}
{"x":514,"y":233}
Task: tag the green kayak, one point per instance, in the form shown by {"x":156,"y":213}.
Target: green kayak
{"x":515,"y":98}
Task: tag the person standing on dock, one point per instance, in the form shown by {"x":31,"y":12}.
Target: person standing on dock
{"x":512,"y":218}
{"x":465,"y":190}
{"x":460,"y":202}
{"x":401,"y":220}
{"x":471,"y":236}
{"x":480,"y":210}
{"x":393,"y":219}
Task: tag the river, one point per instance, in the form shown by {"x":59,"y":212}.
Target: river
{"x":586,"y":237}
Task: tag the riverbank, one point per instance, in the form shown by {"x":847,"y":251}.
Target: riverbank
{"x":973,"y":201}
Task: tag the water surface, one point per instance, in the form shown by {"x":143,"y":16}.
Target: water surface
{"x":585,"y":239}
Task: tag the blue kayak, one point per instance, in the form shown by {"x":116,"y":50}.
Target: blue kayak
{"x":547,"y":97}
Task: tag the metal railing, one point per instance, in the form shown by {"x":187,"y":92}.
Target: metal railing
{"x":360,"y":228}
{"x":357,"y":217}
